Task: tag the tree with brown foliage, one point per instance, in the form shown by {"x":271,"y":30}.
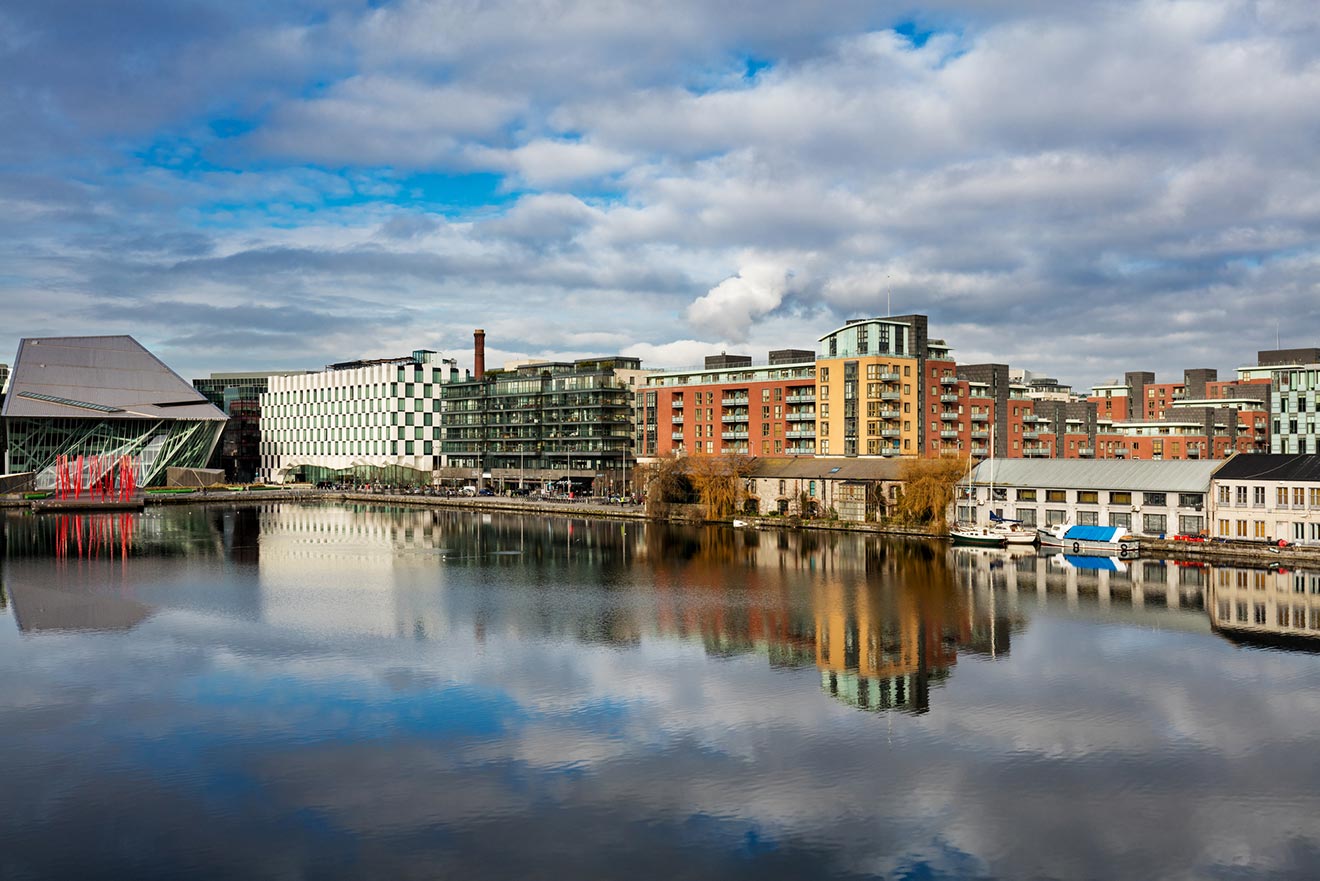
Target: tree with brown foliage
{"x":928,"y":487}
{"x":719,"y":481}
{"x":666,"y":483}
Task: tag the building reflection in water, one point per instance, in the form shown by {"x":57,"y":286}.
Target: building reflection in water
{"x":1277,"y":606}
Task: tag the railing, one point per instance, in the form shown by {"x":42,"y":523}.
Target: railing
{"x":677,"y":420}
{"x":980,"y":451}
{"x":890,"y":432}
{"x":1089,"y":452}
{"x":949,"y":433}
{"x":891,"y":396}
{"x":949,"y":399}
{"x":734,"y":399}
{"x":801,"y":398}
{"x":1031,"y":435}
{"x":980,"y":434}
{"x":801,"y":432}
{"x":980,"y":417}
{"x":800,"y":451}
{"x":801,"y":416}
{"x":1036,"y":453}
{"x":948,"y":380}
{"x":889,"y":414}
{"x":733,"y":417}
{"x":734,"y":435}
{"x":949,"y":417}
{"x":890,"y":377}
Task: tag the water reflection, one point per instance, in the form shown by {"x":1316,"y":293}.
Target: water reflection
{"x":364,"y":692}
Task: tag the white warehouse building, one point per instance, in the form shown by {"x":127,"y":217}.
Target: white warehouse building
{"x":1146,"y":497}
{"x":364,"y":421}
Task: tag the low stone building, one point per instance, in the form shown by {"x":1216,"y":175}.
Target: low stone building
{"x":1145,"y":497}
{"x":857,"y":490}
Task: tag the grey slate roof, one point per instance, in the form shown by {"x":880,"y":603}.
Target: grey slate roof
{"x":1271,"y":466}
{"x":822,"y":468}
{"x":1143,"y":475}
{"x":56,"y":376}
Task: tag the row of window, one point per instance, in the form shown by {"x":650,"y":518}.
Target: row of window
{"x":1092,"y":497}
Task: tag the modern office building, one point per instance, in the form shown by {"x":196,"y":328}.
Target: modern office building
{"x":238,"y":395}
{"x":370,"y":421}
{"x":1294,"y":379}
{"x":107,"y":397}
{"x":537,"y":423}
{"x":731,"y":406}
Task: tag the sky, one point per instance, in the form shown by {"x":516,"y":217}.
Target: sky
{"x":1078,"y":189}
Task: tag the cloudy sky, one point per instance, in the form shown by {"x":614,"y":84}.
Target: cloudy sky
{"x":1075,"y":188}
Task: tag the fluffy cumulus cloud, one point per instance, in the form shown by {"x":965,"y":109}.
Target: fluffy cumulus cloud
{"x":1074,"y":188}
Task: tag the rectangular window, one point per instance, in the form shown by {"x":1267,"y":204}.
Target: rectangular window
{"x":1190,"y":525}
{"x":1258,"y":496}
{"x":1241,"y":528}
{"x":1258,"y":528}
{"x":1224,"y":528}
{"x":1299,"y":497}
{"x":1190,"y":500}
{"x":1153,"y":524}
{"x":1088,"y":518}
{"x":1242,"y":495}
{"x":1120,"y":498}
{"x":1121,"y":519}
{"x":1026,"y":495}
{"x":1156,"y":499}
{"x":1027,"y":516}
{"x":1056,"y":495}
{"x":1224,"y":495}
{"x":1088,"y":497}
{"x":1055,"y":517}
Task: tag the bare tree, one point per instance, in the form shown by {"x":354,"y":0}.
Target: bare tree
{"x":719,"y":481}
{"x":928,"y":486}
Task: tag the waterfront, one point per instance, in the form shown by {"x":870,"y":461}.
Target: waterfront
{"x":361,"y":691}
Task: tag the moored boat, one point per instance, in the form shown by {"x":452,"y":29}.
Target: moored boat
{"x":977,"y":536}
{"x":1106,"y":541}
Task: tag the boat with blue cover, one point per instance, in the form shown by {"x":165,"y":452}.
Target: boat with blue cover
{"x":1106,"y":541}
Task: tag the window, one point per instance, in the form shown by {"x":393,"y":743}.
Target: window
{"x":1242,"y":495}
{"x":1224,"y":528}
{"x":1056,"y":495}
{"x":1026,"y":495}
{"x":1281,"y":497}
{"x":1258,"y":528}
{"x":1156,"y":499}
{"x":1240,"y":528}
{"x":1055,"y":517}
{"x":1190,"y":525}
{"x":1120,"y":498}
{"x":1153,"y":524}
{"x":1258,"y":496}
{"x":1027,"y":516}
{"x":1088,"y":497}
{"x":1299,"y":497}
{"x":1190,"y":500}
{"x":1088,"y":518}
{"x":1121,"y":519}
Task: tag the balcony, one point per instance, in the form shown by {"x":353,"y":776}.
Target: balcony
{"x":733,"y":417}
{"x":676,"y":403}
{"x":801,"y":416}
{"x":949,"y":399}
{"x":1037,"y":453}
{"x":1032,"y":418}
{"x":949,"y":416}
{"x":734,"y":435}
{"x":1086,"y":452}
{"x":677,"y":420}
{"x":889,"y":451}
{"x":980,"y":452}
{"x":980,"y":417}
{"x":801,"y":398}
{"x":1031,"y":435}
{"x":799,"y":451}
{"x":949,"y":433}
{"x":948,"y":380}
{"x":889,"y":414}
{"x":677,"y":435}
{"x":891,"y":396}
{"x":890,"y":432}
{"x":890,"y":377}
{"x":734,"y":400}
{"x":980,"y":434}
{"x":801,"y":432}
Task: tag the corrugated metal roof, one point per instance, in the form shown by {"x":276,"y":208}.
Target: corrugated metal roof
{"x":80,"y":376}
{"x":1140,"y":476}
{"x":836,"y":468}
{"x":1271,"y":466}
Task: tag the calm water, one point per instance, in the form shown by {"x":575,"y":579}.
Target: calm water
{"x":320,"y":692}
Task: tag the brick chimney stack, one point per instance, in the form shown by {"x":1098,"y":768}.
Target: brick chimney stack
{"x":478,"y":353}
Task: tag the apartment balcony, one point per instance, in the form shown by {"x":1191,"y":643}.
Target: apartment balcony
{"x":676,"y":403}
{"x":734,"y":435}
{"x":950,"y":433}
{"x":980,"y":417}
{"x":1031,"y":435}
{"x":677,"y":435}
{"x":728,"y":418}
{"x":949,"y":399}
{"x":1037,"y":453}
{"x":889,"y":414}
{"x":801,"y":432}
{"x":980,"y":434}
{"x":801,"y":416}
{"x":1032,"y":418}
{"x":889,"y":451}
{"x":799,"y":451}
{"x":890,"y":377}
{"x":891,"y":396}
{"x":677,"y":420}
{"x":890,"y":432}
{"x":948,"y":380}
{"x":801,"y":398}
{"x":1086,"y":452}
{"x":980,"y":452}
{"x":950,"y":416}
{"x":734,"y":400}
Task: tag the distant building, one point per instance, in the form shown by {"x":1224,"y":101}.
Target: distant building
{"x":858,"y":490}
{"x":239,"y":396}
{"x":731,"y":406}
{"x":360,"y":421}
{"x":1293,"y":380}
{"x":103,"y":396}
{"x":569,"y":423}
